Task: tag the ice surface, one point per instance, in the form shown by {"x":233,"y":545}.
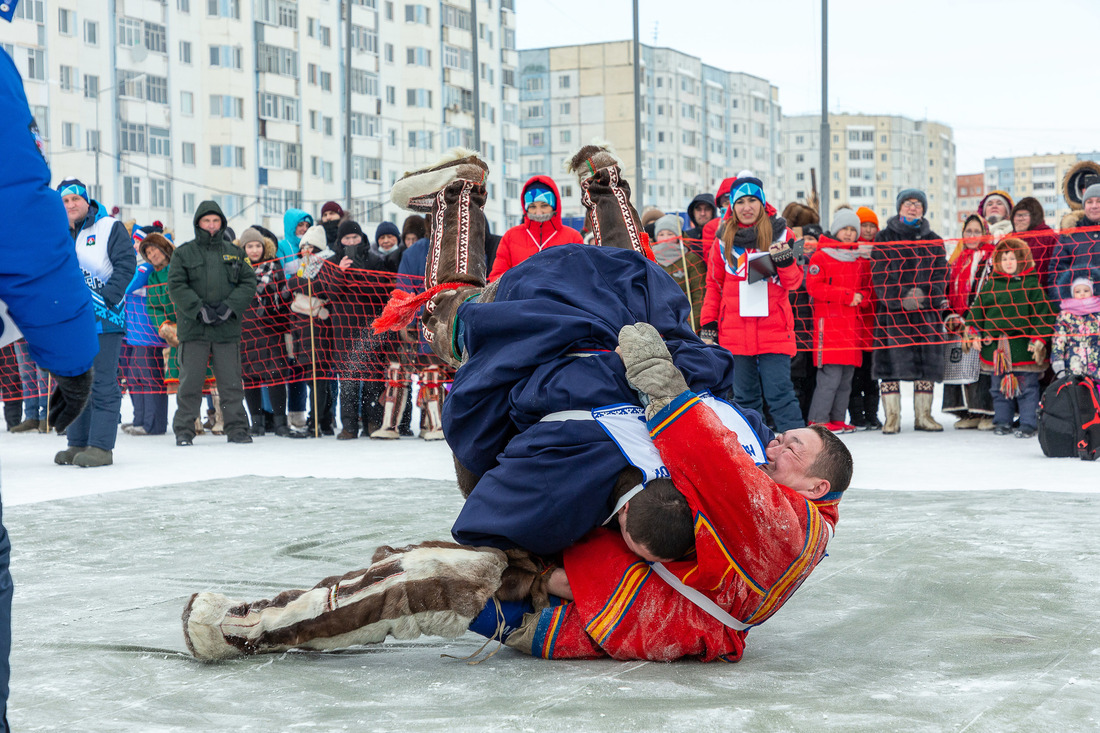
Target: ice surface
{"x":960,"y":594}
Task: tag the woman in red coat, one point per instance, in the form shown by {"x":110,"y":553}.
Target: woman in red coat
{"x":541,"y":227}
{"x":754,"y":319}
{"x":838,"y":280}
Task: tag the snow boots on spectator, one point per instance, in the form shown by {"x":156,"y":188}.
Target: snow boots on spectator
{"x":922,"y":408}
{"x":65,"y":457}
{"x":454,"y":192}
{"x":435,"y":588}
{"x":93,"y":457}
{"x":430,"y":401}
{"x":891,"y":403}
{"x":27,"y":426}
{"x":297,"y":420}
{"x":281,"y":428}
{"x":393,"y":403}
{"x":606,"y":195}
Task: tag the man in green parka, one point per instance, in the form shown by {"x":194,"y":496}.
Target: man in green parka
{"x":211,"y":284}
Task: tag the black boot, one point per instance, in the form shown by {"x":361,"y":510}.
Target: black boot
{"x":280,"y":426}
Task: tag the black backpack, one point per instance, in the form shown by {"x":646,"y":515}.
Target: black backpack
{"x":1069,"y":418}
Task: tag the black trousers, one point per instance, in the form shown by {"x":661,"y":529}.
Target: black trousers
{"x":225,"y":360}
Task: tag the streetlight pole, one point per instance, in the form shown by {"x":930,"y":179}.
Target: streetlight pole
{"x":639,"y":182}
{"x":477,"y":76}
{"x":825,"y":179}
{"x":347,"y":108}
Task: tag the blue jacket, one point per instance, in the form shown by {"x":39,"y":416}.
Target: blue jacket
{"x":287,"y":250}
{"x":140,"y":329}
{"x":1076,"y":255}
{"x":39,"y":277}
{"x":410,"y":278}
{"x":544,"y":485}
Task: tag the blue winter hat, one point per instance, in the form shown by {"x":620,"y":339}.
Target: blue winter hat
{"x":387,"y":227}
{"x":73,"y":185}
{"x":913,"y":193}
{"x":743,"y":187}
{"x":539,"y":192}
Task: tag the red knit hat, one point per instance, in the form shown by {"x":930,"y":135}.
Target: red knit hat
{"x":332,"y":206}
{"x":865,"y":215}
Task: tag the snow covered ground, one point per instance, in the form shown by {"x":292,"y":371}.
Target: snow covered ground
{"x":959,"y":594}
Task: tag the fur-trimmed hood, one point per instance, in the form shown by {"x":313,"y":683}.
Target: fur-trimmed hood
{"x":1075,"y":176}
{"x":1025,"y":263}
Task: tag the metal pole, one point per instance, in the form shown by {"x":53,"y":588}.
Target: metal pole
{"x":825,"y":203}
{"x":477,"y":76}
{"x":639,"y":180}
{"x":347,"y":108}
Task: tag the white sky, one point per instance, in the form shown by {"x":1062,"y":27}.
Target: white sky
{"x":1011,"y":77}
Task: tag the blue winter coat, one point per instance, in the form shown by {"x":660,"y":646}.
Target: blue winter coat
{"x":544,"y":485}
{"x":1076,"y":255}
{"x":287,"y":250}
{"x":40,"y":279}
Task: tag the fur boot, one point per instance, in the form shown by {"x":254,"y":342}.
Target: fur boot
{"x":297,"y":420}
{"x":611,"y":217}
{"x":218,"y":428}
{"x":393,"y":403}
{"x":430,"y":402}
{"x":922,"y":409}
{"x":891,"y":402}
{"x":435,"y":588}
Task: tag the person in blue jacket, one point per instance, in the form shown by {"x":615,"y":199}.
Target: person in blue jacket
{"x":42,"y":289}
{"x":296,"y":222}
{"x":106,"y":255}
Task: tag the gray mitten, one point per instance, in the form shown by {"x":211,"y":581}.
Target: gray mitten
{"x":649,"y":367}
{"x":913,"y":300}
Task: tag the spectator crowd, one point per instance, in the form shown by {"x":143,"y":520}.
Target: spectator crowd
{"x":824,"y":319}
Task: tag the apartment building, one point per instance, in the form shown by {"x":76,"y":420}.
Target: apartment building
{"x":872,"y":158}
{"x":700,"y":124}
{"x":1040,"y":176}
{"x":970,"y":190}
{"x":158,"y":104}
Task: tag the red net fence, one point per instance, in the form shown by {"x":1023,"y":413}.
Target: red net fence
{"x":911,"y":293}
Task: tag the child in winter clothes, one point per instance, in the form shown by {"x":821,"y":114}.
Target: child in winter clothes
{"x":754,"y":320}
{"x":1077,"y":331}
{"x":1013,"y":318}
{"x":839,"y":280}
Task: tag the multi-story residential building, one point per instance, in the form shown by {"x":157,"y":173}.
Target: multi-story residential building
{"x":872,"y":158}
{"x":700,"y":124}
{"x":969,"y":191}
{"x":158,"y":104}
{"x":1040,"y":176}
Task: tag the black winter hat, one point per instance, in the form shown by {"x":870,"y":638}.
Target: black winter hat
{"x":349,"y":226}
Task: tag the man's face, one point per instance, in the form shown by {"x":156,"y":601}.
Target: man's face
{"x":410,"y":239}
{"x":1021,"y":221}
{"x":210,"y":223}
{"x":868,"y":230}
{"x":75,"y":206}
{"x":638,"y":549}
{"x":702,"y":213}
{"x":329,"y":216}
{"x":790,"y":455}
{"x":302,"y":228}
{"x":351,"y":240}
{"x":155,"y":257}
{"x":387,"y":242}
{"x":911,"y":209}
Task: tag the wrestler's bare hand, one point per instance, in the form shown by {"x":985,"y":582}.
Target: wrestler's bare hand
{"x":558,"y":584}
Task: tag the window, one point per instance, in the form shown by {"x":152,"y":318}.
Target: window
{"x":31,"y":10}
{"x":92,"y":140}
{"x":365,"y":125}
{"x":326,"y":124}
{"x":226,"y":106}
{"x":565,"y":108}
{"x":36,"y":64}
{"x":417,"y":14}
{"x":184,"y":6}
{"x":224,"y":8}
{"x":160,"y":193}
{"x":564,"y":81}
{"x":189,"y":203}
{"x":226,"y":56}
{"x":131,"y":138}
{"x":363,"y":39}
{"x":278,"y":12}
{"x":533,"y":84}
{"x":364,"y":82}
{"x":566,"y":136}
{"x":456,"y":17}
{"x":418,"y":98}
{"x":326,"y":40}
{"x":416,"y":56}
{"x":227,"y":156}
{"x":159,"y":142}
{"x":278,"y":107}
{"x":129,"y":32}
{"x":457,"y":58}
{"x":389,"y":53}
{"x":534,"y":139}
{"x":91,"y":33}
{"x":66,"y":81}
{"x":131,"y":190}
{"x":155,"y":38}
{"x":366,"y":169}
{"x":420,"y":139}
{"x":156,"y":89}
{"x":188,"y":153}
{"x":70,"y":134}
{"x":185,"y":52}
{"x":276,"y":60}
{"x":533,"y":111}
{"x":66,"y":22}
{"x":391,"y":95}
{"x":231,"y":204}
